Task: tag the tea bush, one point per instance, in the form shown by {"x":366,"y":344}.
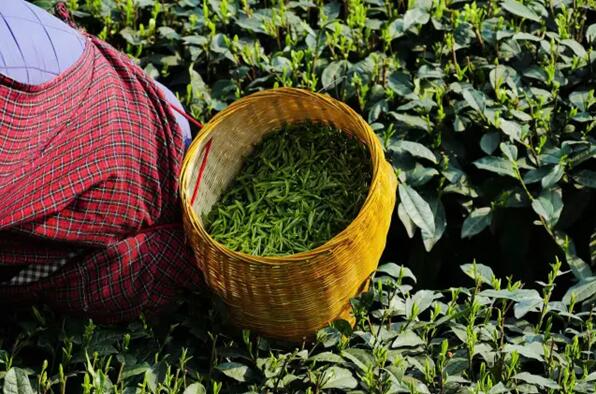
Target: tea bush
{"x":486,"y":110}
{"x":495,"y":337}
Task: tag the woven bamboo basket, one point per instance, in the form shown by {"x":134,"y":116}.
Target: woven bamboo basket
{"x":288,"y":297}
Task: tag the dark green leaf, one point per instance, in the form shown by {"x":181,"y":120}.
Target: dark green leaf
{"x":405,"y":219}
{"x":415,"y":16}
{"x":414,"y":148}
{"x":420,"y":175}
{"x":195,"y":40}
{"x":438,"y":211}
{"x":362,"y":358}
{"x":376,"y":110}
{"x":509,"y":150}
{"x":410,"y":120}
{"x":536,"y":72}
{"x":236,"y":371}
{"x":497,"y":165}
{"x":327,"y":357}
{"x":580,"y":269}
{"x":553,"y":176}
{"x":396,"y":271}
{"x":417,"y":208}
{"x":422,"y":299}
{"x":479,"y":271}
{"x":407,"y":339}
{"x":591,"y":33}
{"x":536,"y":379}
{"x":333,"y":74}
{"x":17,"y":382}
{"x":525,"y":36}
{"x":520,"y":309}
{"x":332,"y":9}
{"x":400,"y":83}
{"x":580,"y":99}
{"x":513,"y":295}
{"x":533,"y":350}
{"x":511,"y":128}
{"x":195,"y":388}
{"x":135,"y":370}
{"x":131,"y":36}
{"x":575,"y":46}
{"x":489,"y":142}
{"x":518,"y":9}
{"x":537,"y":175}
{"x":430,"y":72}
{"x":168,"y":33}
{"x":549,"y":205}
{"x":396,"y":29}
{"x":475,"y":99}
{"x":338,"y":378}
{"x":328,"y":336}
{"x":583,"y":290}
{"x":586,"y":178}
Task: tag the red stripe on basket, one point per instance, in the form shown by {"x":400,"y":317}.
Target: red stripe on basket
{"x":201,"y":171}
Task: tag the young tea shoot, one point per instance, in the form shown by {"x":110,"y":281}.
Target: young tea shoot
{"x":302,"y":185}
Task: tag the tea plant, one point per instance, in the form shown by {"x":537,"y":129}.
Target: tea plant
{"x":485,"y":108}
{"x":487,"y":111}
{"x":493,"y":337}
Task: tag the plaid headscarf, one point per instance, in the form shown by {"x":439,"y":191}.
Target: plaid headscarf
{"x":89,"y":163}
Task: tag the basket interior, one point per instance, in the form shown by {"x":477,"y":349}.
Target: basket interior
{"x":231,"y":137}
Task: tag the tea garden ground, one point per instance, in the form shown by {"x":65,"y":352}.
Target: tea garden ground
{"x":486,"y":109}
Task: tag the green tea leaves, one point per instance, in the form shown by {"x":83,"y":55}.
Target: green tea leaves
{"x":400,"y":83}
{"x":417,"y":208}
{"x":301,"y":186}
{"x":591,"y":33}
{"x":195,"y":388}
{"x":549,"y":205}
{"x":512,"y":128}
{"x":414,"y":148}
{"x":396,"y":271}
{"x":537,"y":380}
{"x":438,"y":211}
{"x":489,"y":142}
{"x":479,"y":272}
{"x":405,"y":219}
{"x":415,"y":16}
{"x":497,"y":165}
{"x":509,"y":150}
{"x":518,"y":9}
{"x":338,"y":378}
{"x":586,"y":178}
{"x":475,"y":99}
{"x":333,"y":74}
{"x":17,"y":382}
{"x":236,"y":371}
{"x":407,"y":339}
{"x":582,"y":291}
{"x":477,"y":220}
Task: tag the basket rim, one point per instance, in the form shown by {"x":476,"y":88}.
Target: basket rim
{"x":377,"y":159}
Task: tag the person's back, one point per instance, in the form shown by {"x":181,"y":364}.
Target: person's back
{"x":89,"y":159}
{"x":37,"y":47}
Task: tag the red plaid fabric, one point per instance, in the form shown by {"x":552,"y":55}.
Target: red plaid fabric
{"x":89,"y":161}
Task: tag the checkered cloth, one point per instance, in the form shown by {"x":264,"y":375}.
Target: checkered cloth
{"x":33,"y":273}
{"x":89,"y":162}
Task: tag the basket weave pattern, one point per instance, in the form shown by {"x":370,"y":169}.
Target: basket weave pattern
{"x":288,"y":297}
